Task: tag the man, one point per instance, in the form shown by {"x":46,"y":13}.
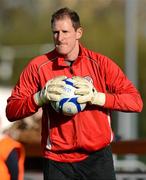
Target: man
{"x":12,"y":157}
{"x":76,"y":147}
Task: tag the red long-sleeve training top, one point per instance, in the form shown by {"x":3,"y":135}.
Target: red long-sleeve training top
{"x":71,"y":139}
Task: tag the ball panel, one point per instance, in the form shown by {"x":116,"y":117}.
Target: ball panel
{"x":69,"y":108}
{"x":71,"y":102}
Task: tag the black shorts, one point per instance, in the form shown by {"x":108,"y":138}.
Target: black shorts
{"x":98,"y":166}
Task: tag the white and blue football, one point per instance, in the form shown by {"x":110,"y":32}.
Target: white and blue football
{"x":68,"y":104}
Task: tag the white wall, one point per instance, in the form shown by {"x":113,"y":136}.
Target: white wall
{"x":4,"y":94}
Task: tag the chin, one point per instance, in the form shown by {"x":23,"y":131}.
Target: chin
{"x":62,"y":52}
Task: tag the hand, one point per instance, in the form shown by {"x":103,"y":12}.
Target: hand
{"x":87,"y":92}
{"x":51,"y":92}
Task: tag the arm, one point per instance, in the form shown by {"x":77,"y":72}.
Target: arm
{"x":121,"y":94}
{"x":30,"y":93}
{"x":21,"y":102}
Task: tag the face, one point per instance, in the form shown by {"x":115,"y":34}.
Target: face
{"x":66,"y":38}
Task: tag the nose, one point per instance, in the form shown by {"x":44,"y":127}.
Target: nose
{"x":60,"y":36}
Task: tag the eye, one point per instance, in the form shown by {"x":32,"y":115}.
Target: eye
{"x":55,"y":32}
{"x":65,"y":31}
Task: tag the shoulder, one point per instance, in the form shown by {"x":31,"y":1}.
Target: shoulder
{"x":43,"y":59}
{"x":95,"y":56}
{"x":104,"y":62}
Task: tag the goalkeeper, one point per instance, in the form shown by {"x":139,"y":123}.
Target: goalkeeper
{"x":76,"y":147}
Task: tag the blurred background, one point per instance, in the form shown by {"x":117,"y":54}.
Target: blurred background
{"x":115,"y":28}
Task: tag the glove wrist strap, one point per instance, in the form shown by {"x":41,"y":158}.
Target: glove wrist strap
{"x":98,"y":99}
{"x":38,"y":99}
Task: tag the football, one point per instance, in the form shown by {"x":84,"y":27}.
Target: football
{"x":68,"y":104}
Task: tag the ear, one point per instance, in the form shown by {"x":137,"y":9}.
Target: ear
{"x":79,"y":33}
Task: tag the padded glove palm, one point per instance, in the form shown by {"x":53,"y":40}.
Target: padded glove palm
{"x":52,"y":91}
{"x":87,"y":92}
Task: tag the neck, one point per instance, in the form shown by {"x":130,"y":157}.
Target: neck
{"x":72,"y":56}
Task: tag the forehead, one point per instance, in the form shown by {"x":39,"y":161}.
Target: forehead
{"x":64,"y":22}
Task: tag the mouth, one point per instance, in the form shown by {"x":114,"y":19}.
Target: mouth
{"x":60,"y":45}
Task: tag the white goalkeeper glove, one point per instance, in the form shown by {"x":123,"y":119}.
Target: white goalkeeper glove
{"x":87,"y":92}
{"x":52,"y":91}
